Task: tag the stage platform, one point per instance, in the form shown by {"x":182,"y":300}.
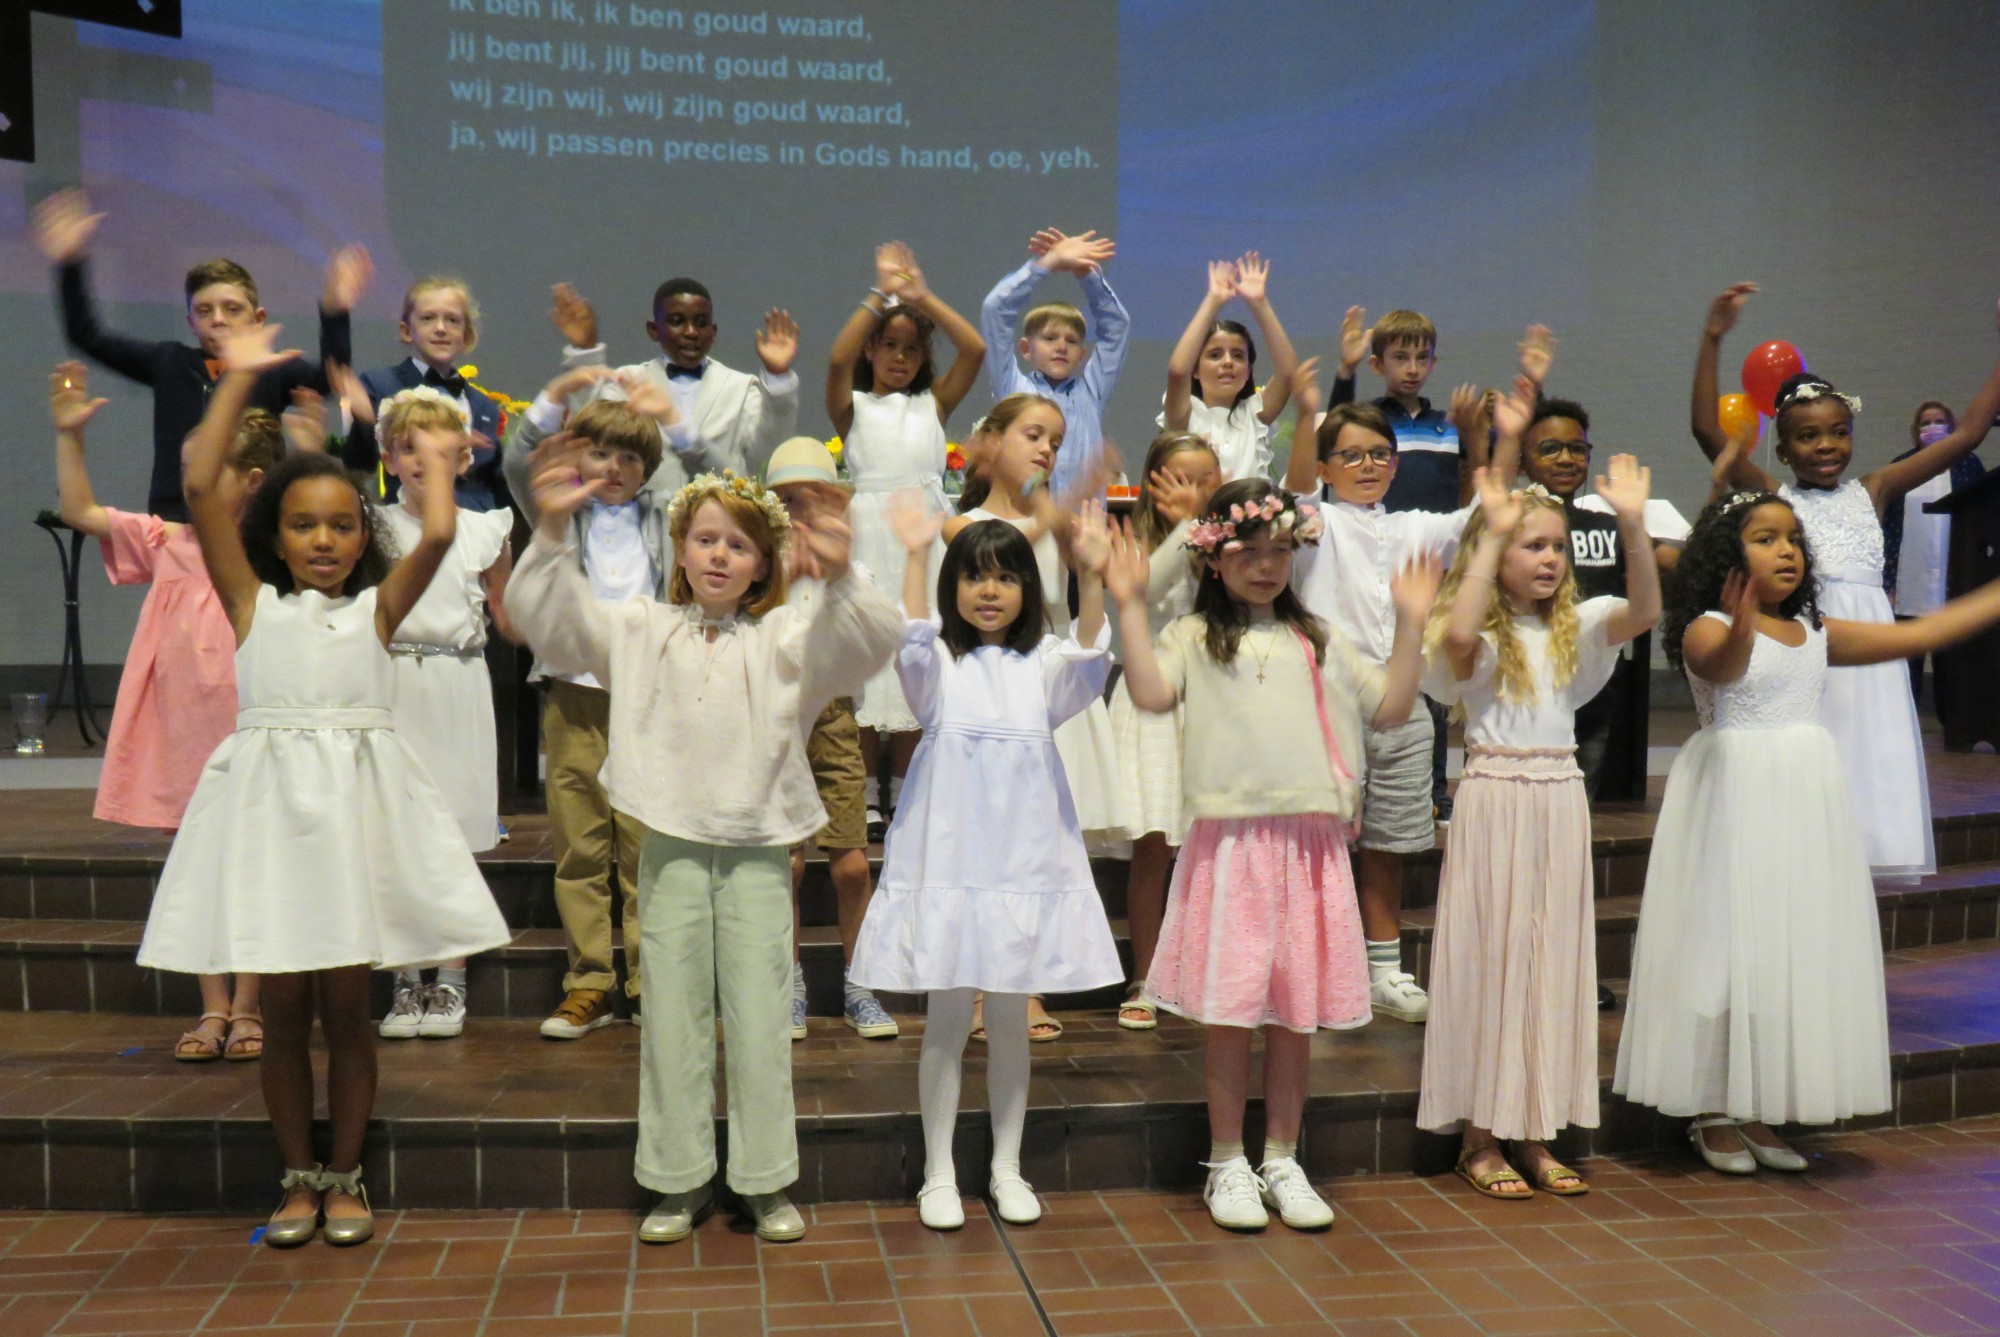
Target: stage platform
{"x":94,"y":1114}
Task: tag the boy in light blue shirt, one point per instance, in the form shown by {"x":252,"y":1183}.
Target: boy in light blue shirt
{"x":1057,"y":344}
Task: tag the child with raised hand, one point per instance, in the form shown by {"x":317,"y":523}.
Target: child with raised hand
{"x":1012,"y":454}
{"x":725,"y":673}
{"x":1757,"y":995}
{"x":439,"y":325}
{"x":1512,"y":1048}
{"x":316,"y":846}
{"x":889,"y":406}
{"x":1262,"y":930}
{"x":1868,"y":709}
{"x":1180,"y":474}
{"x":1071,"y":362}
{"x":624,"y":551}
{"x":1212,"y":372}
{"x":221,"y":302}
{"x":443,"y":694}
{"x":177,"y":693}
{"x":986,"y":884}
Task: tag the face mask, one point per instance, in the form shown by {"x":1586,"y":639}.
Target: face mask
{"x":1933,"y":432}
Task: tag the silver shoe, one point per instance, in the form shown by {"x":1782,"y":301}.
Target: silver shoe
{"x":1738,"y":1162}
{"x":346,"y":1229}
{"x":293,"y":1230}
{"x":1780,"y":1157}
{"x":777,"y":1220}
{"x":675,"y":1216}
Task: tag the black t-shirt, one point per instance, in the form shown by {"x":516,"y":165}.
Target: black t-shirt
{"x":1596,"y":554}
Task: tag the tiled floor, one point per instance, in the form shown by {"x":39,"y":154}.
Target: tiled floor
{"x":1893,"y":1232}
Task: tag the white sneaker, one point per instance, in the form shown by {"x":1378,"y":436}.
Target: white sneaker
{"x":1291,"y":1195}
{"x":1015,"y":1200}
{"x":444,"y":1012}
{"x":777,"y":1220}
{"x":1234,"y":1195}
{"x":675,"y":1216}
{"x":1396,"y":993}
{"x":939,"y":1206}
{"x":406,"y":1013}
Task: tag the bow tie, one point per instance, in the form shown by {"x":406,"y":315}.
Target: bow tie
{"x":451,"y":383}
{"x":676,"y":372}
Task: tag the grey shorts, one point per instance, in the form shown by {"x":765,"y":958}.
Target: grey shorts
{"x":1396,"y":791}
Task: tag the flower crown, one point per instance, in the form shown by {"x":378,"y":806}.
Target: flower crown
{"x":706,"y":487}
{"x":1811,"y":390}
{"x":422,"y":394}
{"x":1217,"y":533}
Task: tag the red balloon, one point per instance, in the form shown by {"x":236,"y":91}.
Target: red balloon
{"x":1769,"y":366}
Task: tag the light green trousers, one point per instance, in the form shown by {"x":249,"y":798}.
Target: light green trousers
{"x":715,"y":922}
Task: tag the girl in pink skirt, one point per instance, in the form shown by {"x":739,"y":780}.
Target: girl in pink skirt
{"x":1512,"y":1044}
{"x":1262,"y":928}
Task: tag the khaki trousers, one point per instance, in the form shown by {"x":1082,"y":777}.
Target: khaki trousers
{"x":589,"y":838}
{"x":717,"y":925}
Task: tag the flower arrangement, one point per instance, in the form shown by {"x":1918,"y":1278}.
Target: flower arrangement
{"x":509,"y":406}
{"x":1218,"y":533}
{"x":705,"y":486}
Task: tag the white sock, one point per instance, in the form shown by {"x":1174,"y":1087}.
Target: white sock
{"x":1384,"y":958}
{"x":1277,"y":1149}
{"x":895,"y":789}
{"x":455,"y":978}
{"x":1220,"y":1153}
{"x":947,"y":1026}
{"x":1007,"y":1078}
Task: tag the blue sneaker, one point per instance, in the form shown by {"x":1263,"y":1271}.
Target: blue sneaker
{"x":865,"y":1013}
{"x":798,"y":1002}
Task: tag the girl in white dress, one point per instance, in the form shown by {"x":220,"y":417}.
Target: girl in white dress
{"x":1212,"y":372}
{"x":1869,"y":710}
{"x":443,"y":700}
{"x":1179,"y":477}
{"x":1757,"y":994}
{"x":1012,"y":451}
{"x":889,"y":406}
{"x":1511,"y":1051}
{"x":315,"y":846}
{"x":985,"y":882}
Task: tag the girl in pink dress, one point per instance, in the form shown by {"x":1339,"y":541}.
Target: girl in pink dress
{"x":1262,"y":928}
{"x":177,"y":695}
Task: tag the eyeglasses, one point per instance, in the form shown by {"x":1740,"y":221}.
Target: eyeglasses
{"x":1549,"y":450}
{"x":1353,"y":459}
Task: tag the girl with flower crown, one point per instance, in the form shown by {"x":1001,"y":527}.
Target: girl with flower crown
{"x":727,"y":674}
{"x":1512,"y":1046}
{"x":1757,"y":991}
{"x":443,"y":695}
{"x":1869,"y":709}
{"x":1262,"y":929}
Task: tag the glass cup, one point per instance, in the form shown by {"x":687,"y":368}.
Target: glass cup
{"x":31,"y":722}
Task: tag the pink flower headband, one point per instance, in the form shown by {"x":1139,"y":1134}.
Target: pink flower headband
{"x":1217,"y":533}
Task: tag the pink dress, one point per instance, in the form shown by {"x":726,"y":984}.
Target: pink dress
{"x":177,"y":696}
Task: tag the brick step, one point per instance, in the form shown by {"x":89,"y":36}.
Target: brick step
{"x":95,"y":1115}
{"x":87,"y":965}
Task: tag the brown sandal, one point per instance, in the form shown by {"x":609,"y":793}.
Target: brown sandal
{"x":1483,"y":1183}
{"x":196,"y":1046}
{"x":244,"y":1044}
{"x":1546,"y":1177}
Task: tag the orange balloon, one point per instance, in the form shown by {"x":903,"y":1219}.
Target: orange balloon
{"x":1740,"y":420}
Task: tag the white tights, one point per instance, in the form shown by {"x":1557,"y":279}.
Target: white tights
{"x":947,"y":1026}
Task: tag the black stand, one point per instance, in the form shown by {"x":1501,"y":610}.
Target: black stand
{"x":71,"y":673}
{"x":1967,"y":706}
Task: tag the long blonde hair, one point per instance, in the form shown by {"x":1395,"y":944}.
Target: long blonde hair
{"x":1512,"y":677}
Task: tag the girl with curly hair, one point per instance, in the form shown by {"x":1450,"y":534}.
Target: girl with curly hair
{"x":1870,"y":711}
{"x":1756,"y":994}
{"x":1262,"y":929}
{"x":1512,"y":1048}
{"x":316,"y":845}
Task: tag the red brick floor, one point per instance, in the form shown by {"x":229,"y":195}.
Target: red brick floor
{"x":1891,"y":1232}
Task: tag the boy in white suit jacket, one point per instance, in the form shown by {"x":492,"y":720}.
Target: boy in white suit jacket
{"x":729,"y":419}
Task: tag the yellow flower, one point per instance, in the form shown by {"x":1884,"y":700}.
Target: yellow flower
{"x":833,"y":446}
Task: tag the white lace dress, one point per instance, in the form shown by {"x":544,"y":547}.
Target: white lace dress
{"x":1868,"y":708}
{"x":1237,"y":432}
{"x":1757,"y":976}
{"x":894,"y":444}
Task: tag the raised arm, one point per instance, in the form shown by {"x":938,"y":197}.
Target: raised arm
{"x":1302,"y":466}
{"x":72,"y":408}
{"x":1000,"y":316}
{"x":439,"y":455}
{"x":549,"y":599}
{"x":846,"y":351}
{"x":1182,"y":362}
{"x":1414,"y":589}
{"x":1090,"y":549}
{"x":1873,"y":643}
{"x":1890,"y":483}
{"x":1125,"y":576}
{"x":852,"y":629}
{"x":1467,"y":614}
{"x":246,"y":356}
{"x":1704,"y":419}
{"x":63,"y":227}
{"x":1625,"y":488}
{"x":1253,"y":274}
{"x":916,"y":528}
{"x":1719,"y":652}
{"x":906,"y":283}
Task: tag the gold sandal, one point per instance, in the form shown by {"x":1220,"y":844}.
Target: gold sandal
{"x":239,"y":1048}
{"x":1546,"y":1177}
{"x":1483,"y":1183}
{"x":196,"y":1047}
